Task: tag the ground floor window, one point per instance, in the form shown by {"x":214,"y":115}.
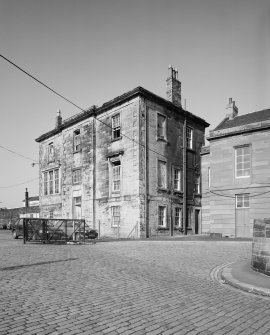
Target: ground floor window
{"x":178,"y":217}
{"x":115,"y":213}
{"x":162,"y":216}
{"x":242,"y":200}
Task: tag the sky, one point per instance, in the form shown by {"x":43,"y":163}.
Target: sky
{"x":92,"y":51}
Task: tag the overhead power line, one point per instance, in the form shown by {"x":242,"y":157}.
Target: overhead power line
{"x":15,"y":185}
{"x":74,"y":104}
{"x":16,"y":153}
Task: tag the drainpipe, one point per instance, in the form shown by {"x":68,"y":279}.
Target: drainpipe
{"x":94,"y":143}
{"x":185,"y":176}
{"x":147,"y":233}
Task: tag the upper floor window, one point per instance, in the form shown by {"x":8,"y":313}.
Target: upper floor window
{"x":51,"y":152}
{"x":161,"y":126}
{"x":77,"y":140}
{"x":51,"y":182}
{"x":162,"y":174}
{"x":189,"y":138}
{"x":162,"y":216}
{"x":116,"y":129}
{"x":242,"y":200}
{"x":177,"y":179}
{"x":197,"y":185}
{"x":242,"y":162}
{"x":116,"y":176}
{"x":77,"y":176}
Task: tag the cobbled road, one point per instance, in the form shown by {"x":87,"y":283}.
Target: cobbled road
{"x":125,"y":287}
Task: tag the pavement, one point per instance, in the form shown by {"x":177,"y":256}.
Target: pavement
{"x":145,"y":287}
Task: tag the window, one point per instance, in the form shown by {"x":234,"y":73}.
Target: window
{"x":77,"y":176}
{"x":178,"y":217}
{"x":242,"y":200}
{"x":161,"y":126}
{"x":77,"y":140}
{"x":116,"y":176}
{"x":197,"y":185}
{"x":115,"y":216}
{"x":189,"y":133}
{"x":77,"y":207}
{"x":177,"y":180}
{"x":162,"y":174}
{"x":50,"y":214}
{"x":162,"y":216}
{"x":242,"y":162}
{"x":51,"y":152}
{"x":51,"y":182}
{"x":116,"y":130}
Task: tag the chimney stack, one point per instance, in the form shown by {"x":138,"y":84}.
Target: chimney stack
{"x":58,"y":119}
{"x":26,"y":198}
{"x":232,"y":110}
{"x":173,"y":87}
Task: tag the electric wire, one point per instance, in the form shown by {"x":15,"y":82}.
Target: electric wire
{"x":16,"y":153}
{"x":15,"y":185}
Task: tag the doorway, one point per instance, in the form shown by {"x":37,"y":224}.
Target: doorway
{"x":197,"y":219}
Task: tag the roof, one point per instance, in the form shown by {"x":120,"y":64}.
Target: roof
{"x":138,"y":91}
{"x":247,"y":123}
{"x":32,"y":198}
{"x":241,"y":120}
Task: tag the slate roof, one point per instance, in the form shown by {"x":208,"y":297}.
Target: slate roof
{"x":242,"y":120}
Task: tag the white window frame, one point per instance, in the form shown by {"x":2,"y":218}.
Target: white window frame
{"x":189,"y":137}
{"x":178,"y":217}
{"x":161,"y":184}
{"x":115,"y":219}
{"x":116,"y":176}
{"x":161,"y":127}
{"x":242,"y":199}
{"x":162,"y":216}
{"x":177,"y":182}
{"x":51,"y":182}
{"x":116,"y":126}
{"x":242,"y":162}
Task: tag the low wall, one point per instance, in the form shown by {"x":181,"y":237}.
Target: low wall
{"x":261,"y":246}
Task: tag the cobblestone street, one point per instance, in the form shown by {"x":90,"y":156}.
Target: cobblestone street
{"x":127,"y":287}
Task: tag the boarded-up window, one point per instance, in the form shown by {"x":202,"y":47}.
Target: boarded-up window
{"x":162,"y":174}
{"x":161,"y":126}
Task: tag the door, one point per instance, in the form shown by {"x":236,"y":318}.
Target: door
{"x":197,"y":218}
{"x":242,"y":222}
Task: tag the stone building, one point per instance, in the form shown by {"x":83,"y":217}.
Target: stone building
{"x":130,"y":167}
{"x":235,"y":170}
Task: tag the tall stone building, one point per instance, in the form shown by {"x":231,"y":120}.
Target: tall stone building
{"x":130,"y":167}
{"x":235,"y":170}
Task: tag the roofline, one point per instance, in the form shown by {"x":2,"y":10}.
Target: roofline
{"x":237,"y":132}
{"x":93,"y":111}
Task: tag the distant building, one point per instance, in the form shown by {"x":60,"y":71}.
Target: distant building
{"x":236,"y":173}
{"x":130,"y":167}
{"x":32,"y":201}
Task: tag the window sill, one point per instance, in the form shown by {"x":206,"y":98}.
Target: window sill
{"x":116,"y":139}
{"x":162,"y":139}
{"x":177,"y":192}
{"x":163,"y":190}
{"x":162,"y":228}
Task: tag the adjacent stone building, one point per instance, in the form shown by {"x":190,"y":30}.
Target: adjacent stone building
{"x":236,"y":173}
{"x":130,"y":167}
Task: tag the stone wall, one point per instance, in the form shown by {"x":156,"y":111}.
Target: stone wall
{"x":261,"y":246}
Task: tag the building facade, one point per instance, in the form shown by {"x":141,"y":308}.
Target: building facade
{"x":129,"y":168}
{"x":236,"y":173}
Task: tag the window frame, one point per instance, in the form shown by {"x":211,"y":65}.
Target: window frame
{"x":242,"y":162}
{"x":160,"y":185}
{"x":179,"y":188}
{"x":116,"y":130}
{"x":51,"y":182}
{"x":245,"y":197}
{"x":197,"y":184}
{"x":76,"y":173}
{"x":189,"y":139}
{"x":180,"y":217}
{"x":162,"y":136}
{"x":116,"y":165}
{"x":115,"y":209}
{"x":77,"y":142}
{"x":164,"y":216}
